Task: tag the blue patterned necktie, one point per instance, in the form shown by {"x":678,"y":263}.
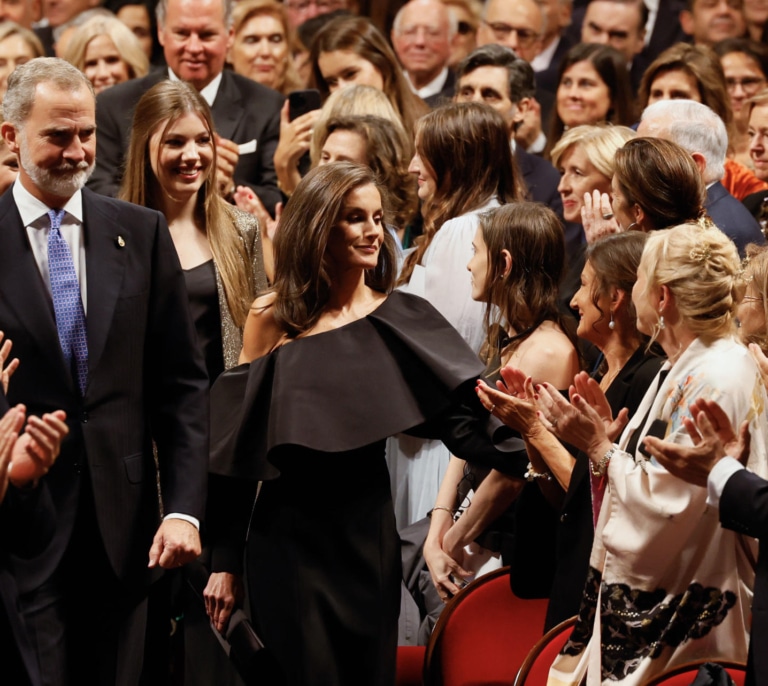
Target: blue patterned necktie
{"x":67,"y":304}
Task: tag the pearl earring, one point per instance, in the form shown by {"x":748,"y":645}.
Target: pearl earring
{"x":611,"y":324}
{"x":662,"y":325}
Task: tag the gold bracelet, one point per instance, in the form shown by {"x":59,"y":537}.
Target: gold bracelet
{"x":442,"y":507}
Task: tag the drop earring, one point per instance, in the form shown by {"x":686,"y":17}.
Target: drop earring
{"x":662,"y":325}
{"x":611,"y":324}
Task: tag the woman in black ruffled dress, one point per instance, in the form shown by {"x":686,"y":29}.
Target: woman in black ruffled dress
{"x":339,"y":363}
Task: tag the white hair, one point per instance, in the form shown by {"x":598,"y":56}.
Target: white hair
{"x":692,"y":126}
{"x":453,"y":23}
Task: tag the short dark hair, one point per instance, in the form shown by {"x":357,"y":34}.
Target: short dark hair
{"x":521,"y":81}
{"x":757,"y":51}
{"x":641,"y":6}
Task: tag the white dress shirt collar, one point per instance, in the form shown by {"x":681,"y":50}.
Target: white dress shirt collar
{"x":209,"y":93}
{"x":433,"y":87}
{"x":31,"y":209}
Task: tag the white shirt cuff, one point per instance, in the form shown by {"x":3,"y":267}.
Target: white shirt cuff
{"x":718,"y":477}
{"x":187,"y":518}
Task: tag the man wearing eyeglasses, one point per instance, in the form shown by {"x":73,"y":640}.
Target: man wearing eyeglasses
{"x":516,"y":24}
{"x":520,"y":25}
{"x":422,"y":34}
{"x":620,"y":24}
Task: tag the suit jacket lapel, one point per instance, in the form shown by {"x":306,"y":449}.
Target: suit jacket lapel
{"x":23,"y":290}
{"x":227,"y":109}
{"x":105,"y":263}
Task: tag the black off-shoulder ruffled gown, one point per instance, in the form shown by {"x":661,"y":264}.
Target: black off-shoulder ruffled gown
{"x":310,"y":420}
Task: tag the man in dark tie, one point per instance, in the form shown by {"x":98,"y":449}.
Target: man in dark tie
{"x":93,"y":297}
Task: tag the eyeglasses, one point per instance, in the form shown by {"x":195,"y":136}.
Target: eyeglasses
{"x":750,"y":84}
{"x":502,"y":32}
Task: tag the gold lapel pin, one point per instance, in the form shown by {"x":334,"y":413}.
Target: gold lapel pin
{"x":120,"y":242}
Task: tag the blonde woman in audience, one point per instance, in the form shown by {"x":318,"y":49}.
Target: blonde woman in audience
{"x":107,"y":52}
{"x":17,"y":46}
{"x":263,"y":45}
{"x":667,"y":584}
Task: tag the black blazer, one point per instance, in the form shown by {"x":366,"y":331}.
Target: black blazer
{"x":146,"y":381}
{"x":242,"y":111}
{"x":576,"y":531}
{"x":744,"y":508}
{"x":732,"y":218}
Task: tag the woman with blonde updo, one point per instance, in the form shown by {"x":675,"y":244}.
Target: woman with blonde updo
{"x":667,"y":584}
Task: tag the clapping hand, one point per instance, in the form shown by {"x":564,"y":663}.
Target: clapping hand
{"x":6,"y":370}
{"x":713,"y":438}
{"x":513,"y":400}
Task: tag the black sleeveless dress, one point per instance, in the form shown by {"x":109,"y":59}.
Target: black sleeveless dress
{"x":310,"y":420}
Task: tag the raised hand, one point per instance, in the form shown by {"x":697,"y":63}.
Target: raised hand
{"x":597,"y":216}
{"x":713,"y":438}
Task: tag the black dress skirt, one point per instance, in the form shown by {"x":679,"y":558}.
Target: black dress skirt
{"x":310,"y":419}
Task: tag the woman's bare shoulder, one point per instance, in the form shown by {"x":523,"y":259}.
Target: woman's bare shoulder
{"x":548,"y":355}
{"x":262,"y":331}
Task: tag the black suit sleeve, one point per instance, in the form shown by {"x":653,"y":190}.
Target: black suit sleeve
{"x":744,"y":505}
{"x":108,"y":171}
{"x":177,"y":385}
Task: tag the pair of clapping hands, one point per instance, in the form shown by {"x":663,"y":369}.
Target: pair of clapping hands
{"x":28,"y":445}
{"x":587,"y":422}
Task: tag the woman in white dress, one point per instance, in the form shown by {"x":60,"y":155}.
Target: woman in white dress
{"x":464,"y":166}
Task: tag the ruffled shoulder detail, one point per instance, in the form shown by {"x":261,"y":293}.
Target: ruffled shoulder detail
{"x":340,"y":390}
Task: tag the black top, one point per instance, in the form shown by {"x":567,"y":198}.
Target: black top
{"x":405,"y":369}
{"x":204,"y":308}
{"x":576,"y":530}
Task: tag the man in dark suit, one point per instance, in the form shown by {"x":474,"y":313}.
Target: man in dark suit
{"x":702,"y":133}
{"x":493,"y":74}
{"x":620,"y":24}
{"x":715,"y":462}
{"x":95,"y":303}
{"x":195,"y":35}
{"x":422,"y":34}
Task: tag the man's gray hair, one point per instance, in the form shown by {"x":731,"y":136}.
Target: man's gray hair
{"x":453,"y":23}
{"x":228,"y":7}
{"x":694,"y":127}
{"x":23,"y":82}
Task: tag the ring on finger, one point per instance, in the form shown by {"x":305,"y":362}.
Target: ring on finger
{"x":493,"y":407}
{"x":607,"y":215}
{"x":554,"y":423}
